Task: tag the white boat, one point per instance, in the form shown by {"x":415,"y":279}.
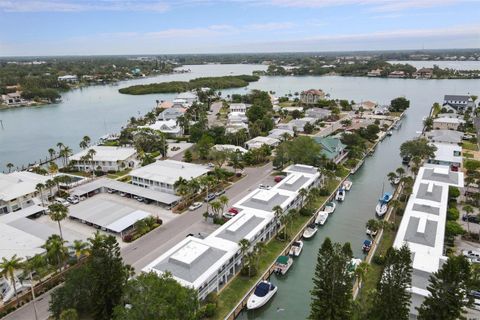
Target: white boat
{"x":310,"y":231}
{"x":381,"y":208}
{"x":347,"y":184}
{"x":322,"y":217}
{"x":296,"y":248}
{"x":282,"y":265}
{"x":340,"y":194}
{"x":389,"y":133}
{"x":264,"y":291}
{"x":371,"y":233}
{"x":330,"y":207}
{"x":353,"y":264}
{"x":396,"y":181}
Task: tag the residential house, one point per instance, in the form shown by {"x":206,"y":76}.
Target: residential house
{"x":447,"y":154}
{"x":299,"y":124}
{"x":458,"y":102}
{"x":279,"y":134}
{"x":447,"y":123}
{"x":165,"y":105}
{"x":171,"y":114}
{"x":450,"y":115}
{"x":332,"y":148}
{"x":68,"y":78}
{"x":169,"y":127}
{"x":190,"y":97}
{"x":397,"y":74}
{"x":105,"y":159}
{"x":229,"y":148}
{"x":18,"y":190}
{"x":162,"y":174}
{"x":13,"y":99}
{"x":445,"y":136}
{"x":259,"y":141}
{"x":381,"y":110}
{"x":239,"y":107}
{"x":375,"y":73}
{"x":312,"y":96}
{"x":318,"y":113}
{"x":423,"y":73}
{"x":365,"y":106}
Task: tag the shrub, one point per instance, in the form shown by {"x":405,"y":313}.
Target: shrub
{"x":324,"y":192}
{"x":453,"y":214}
{"x":453,"y":192}
{"x":305,"y":211}
{"x":378,"y":260}
{"x":453,"y":229}
{"x":210,"y":310}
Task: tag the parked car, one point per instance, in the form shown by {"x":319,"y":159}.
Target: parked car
{"x":264,"y":187}
{"x":219,"y":193}
{"x":123,"y":194}
{"x":73,"y":200}
{"x":62,"y":201}
{"x":211,"y":165}
{"x":228,"y":215}
{"x":110,"y":190}
{"x":210,"y":197}
{"x":277,"y":179}
{"x":195,"y":206}
{"x":140,"y":199}
{"x":471,"y":218}
{"x":233,"y":210}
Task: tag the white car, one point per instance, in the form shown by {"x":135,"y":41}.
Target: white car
{"x":264,"y":187}
{"x":195,"y":206}
{"x":73,"y":200}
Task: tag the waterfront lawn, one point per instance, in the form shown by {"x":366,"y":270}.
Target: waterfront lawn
{"x":239,"y":286}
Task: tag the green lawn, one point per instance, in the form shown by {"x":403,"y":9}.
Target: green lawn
{"x":470,"y":146}
{"x":118,"y":174}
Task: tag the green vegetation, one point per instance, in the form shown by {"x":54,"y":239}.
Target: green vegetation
{"x":182,"y":86}
{"x":399,"y":104}
{"x":470,"y":146}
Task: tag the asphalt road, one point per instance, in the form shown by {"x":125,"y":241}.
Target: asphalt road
{"x":157,"y":242}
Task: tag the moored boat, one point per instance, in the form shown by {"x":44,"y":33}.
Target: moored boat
{"x":310,"y":231}
{"x":322,"y":217}
{"x":387,"y":196}
{"x":371,"y":233}
{"x":396,"y":180}
{"x":367,"y":245}
{"x":282,"y":264}
{"x":296,"y":248}
{"x":381,"y":208}
{"x":353,"y":264}
{"x":340,"y":196}
{"x":389,"y":133}
{"x":264,"y":291}
{"x":347,"y":184}
{"x":330,"y":207}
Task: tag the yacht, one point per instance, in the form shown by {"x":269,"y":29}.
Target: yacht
{"x":264,"y":291}
{"x":347,"y":184}
{"x":310,"y":231}
{"x":381,"y":208}
{"x":322,"y":217}
{"x":282,"y":265}
{"x":330,"y":207}
{"x":340,"y":194}
{"x":296,"y":248}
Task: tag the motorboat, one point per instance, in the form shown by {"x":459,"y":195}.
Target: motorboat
{"x":367,"y":245}
{"x":282,"y":265}
{"x":381,"y":208}
{"x":330,"y":207}
{"x":406,"y":160}
{"x":322,"y":217}
{"x":296,"y":248}
{"x":340,"y":194}
{"x":387,"y":196}
{"x":389,"y":133}
{"x":371,"y":233}
{"x":310,"y":231}
{"x":347,"y":184}
{"x":264,"y":291}
{"x":396,"y":180}
{"x":353,"y":264}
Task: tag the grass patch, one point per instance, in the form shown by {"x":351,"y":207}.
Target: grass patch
{"x":118,"y":174}
{"x":470,"y":146}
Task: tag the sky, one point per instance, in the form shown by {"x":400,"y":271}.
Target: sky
{"x":103,"y":27}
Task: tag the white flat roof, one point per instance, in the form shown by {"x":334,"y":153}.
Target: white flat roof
{"x":19,"y":183}
{"x":449,"y":120}
{"x":169,"y":171}
{"x":446,"y":152}
{"x":105,"y":153}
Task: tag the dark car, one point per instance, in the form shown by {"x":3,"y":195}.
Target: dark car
{"x":470,"y":218}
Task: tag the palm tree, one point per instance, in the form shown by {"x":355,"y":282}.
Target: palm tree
{"x":303,"y":194}
{"x":8,"y":268}
{"x":223,"y":199}
{"x":90,"y":155}
{"x":468,"y":209}
{"x":258,"y":250}
{"x":58,"y":212}
{"x":285,"y":220}
{"x":361,"y":271}
{"x":52,"y":167}
{"x":372,"y":225}
{"x":85,"y":142}
{"x":39,"y":187}
{"x":51,"y":152}
{"x":216,"y":208}
{"x":391,"y":176}
{"x":56,"y":250}
{"x":183,"y":190}
{"x":10,"y":166}
{"x":80,"y":248}
{"x":400,"y":171}
{"x":277,"y":211}
{"x":50,"y":184}
{"x":244,"y":245}
{"x":395,"y":204}
{"x":60,"y":145}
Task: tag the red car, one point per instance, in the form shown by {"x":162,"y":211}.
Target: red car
{"x":277,"y":179}
{"x":233,"y":210}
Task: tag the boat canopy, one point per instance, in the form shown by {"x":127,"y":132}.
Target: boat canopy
{"x":282,"y":260}
{"x":296,"y":244}
{"x":367,"y":243}
{"x":262,"y":289}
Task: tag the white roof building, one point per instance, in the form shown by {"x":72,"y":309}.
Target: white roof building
{"x":423,"y":225}
{"x":106,"y":153}
{"x":259,"y":141}
{"x":19,"y":183}
{"x":162,"y":174}
{"x":447,"y":154}
{"x":168,"y":126}
{"x":207,"y":264}
{"x":447,"y":123}
{"x":238,"y":107}
{"x":229,"y":147}
{"x":189,"y":97}
{"x":445,"y":136}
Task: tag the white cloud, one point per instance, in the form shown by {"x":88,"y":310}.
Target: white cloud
{"x":270,"y":26}
{"x":84,"y":5}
